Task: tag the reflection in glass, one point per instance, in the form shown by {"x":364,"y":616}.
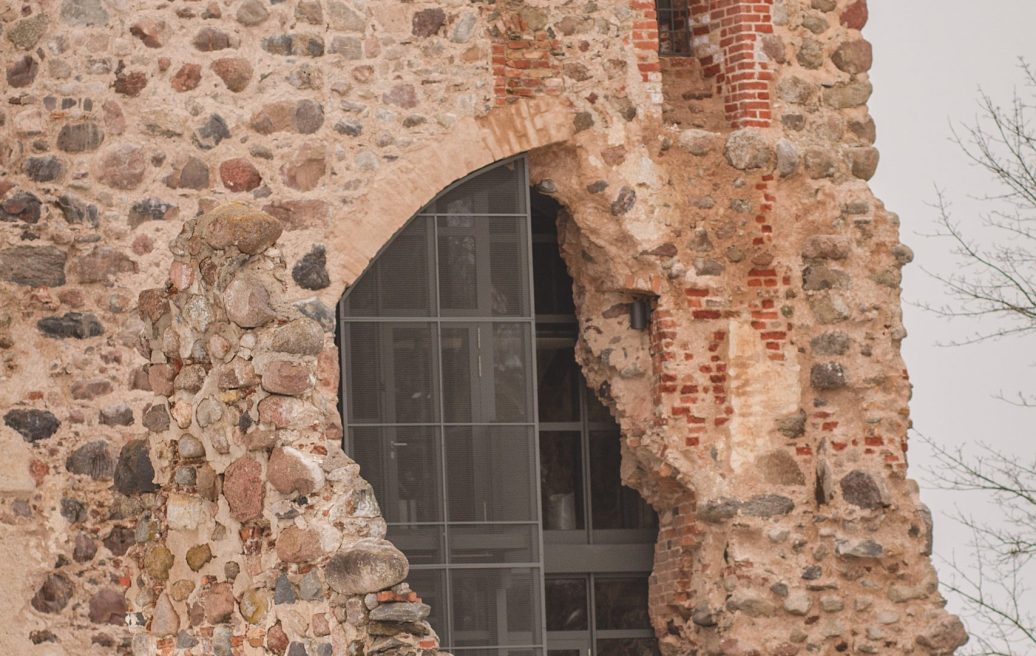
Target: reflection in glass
{"x":404,"y":466}
{"x":614,"y":505}
{"x":391,"y":375}
{"x":399,"y":281}
{"x":485,"y":372}
{"x":621,"y":603}
{"x":423,"y":545}
{"x":566,"y":604}
{"x":494,"y":543}
{"x":495,"y":607}
{"x":489,"y":474}
{"x":561,"y":480}
{"x":559,"y":381}
{"x":627,"y":647}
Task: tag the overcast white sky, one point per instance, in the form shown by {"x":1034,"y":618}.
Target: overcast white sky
{"x":930,"y":58}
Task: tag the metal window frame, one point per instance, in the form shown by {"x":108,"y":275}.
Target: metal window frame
{"x":674,"y":21}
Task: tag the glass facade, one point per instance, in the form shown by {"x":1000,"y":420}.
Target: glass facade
{"x":492,"y":462}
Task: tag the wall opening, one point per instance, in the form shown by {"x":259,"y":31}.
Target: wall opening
{"x":496,"y":467}
{"x":674,"y":28}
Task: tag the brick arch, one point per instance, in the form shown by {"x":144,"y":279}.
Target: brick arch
{"x":398,"y":194}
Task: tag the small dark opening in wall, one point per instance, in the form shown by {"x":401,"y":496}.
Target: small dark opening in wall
{"x":674,"y":28}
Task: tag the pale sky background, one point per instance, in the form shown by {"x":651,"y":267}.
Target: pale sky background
{"x":930,"y":57}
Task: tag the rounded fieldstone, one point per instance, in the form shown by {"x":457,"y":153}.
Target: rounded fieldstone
{"x":291,"y":471}
{"x":297,"y":545}
{"x":134,"y":473}
{"x":253,"y":606}
{"x":54,"y":594}
{"x":93,"y":460}
{"x":22,"y":72}
{"x":244,"y":489}
{"x":85,"y":548}
{"x":218,"y":602}
{"x":859,"y":489}
{"x":165,"y":622}
{"x":189,"y":447}
{"x":157,"y":562}
{"x":83,"y":12}
{"x":238,"y":174}
{"x":116,"y":415}
{"x":32,"y":425}
{"x":748,"y":149}
{"x":43,"y":169}
{"x":187,"y":77}
{"x":401,"y":95}
{"x":252,"y":12}
{"x":369,"y":565}
{"x":302,"y":336}
{"x":33,"y":266}
{"x":108,"y":607}
{"x":853,"y":56}
{"x":211,"y":133}
{"x":247,"y":303}
{"x":80,"y":137}
{"x":810,"y":54}
{"x":827,"y":376}
{"x":285,"y":377}
{"x":236,"y":72}
{"x":24,"y":34}
{"x":209,"y":38}
{"x":851,"y":94}
{"x":123,"y":166}
{"x":309,"y":116}
{"x":767,"y":505}
{"x":119,"y":540}
{"x":21,"y":206}
{"x":427,"y":22}
{"x":198,"y":556}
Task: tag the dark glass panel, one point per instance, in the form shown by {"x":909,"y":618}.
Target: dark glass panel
{"x":460,"y":373}
{"x":621,"y":603}
{"x":512,"y":380}
{"x":423,"y":545}
{"x":559,"y":381}
{"x":430,"y":586}
{"x":404,"y":465}
{"x":613,"y":504}
{"x":627,"y":647}
{"x":561,"y":480}
{"x":500,"y":190}
{"x":566,"y":603}
{"x":489,"y":475}
{"x":494,"y":543}
{"x":508,"y":266}
{"x":391,"y":375}
{"x":399,"y":282}
{"x":596,"y":412}
{"x":495,"y":607}
{"x":552,"y":284}
{"x":486,"y":373}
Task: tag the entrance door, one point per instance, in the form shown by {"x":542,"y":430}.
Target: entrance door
{"x":490,"y":498}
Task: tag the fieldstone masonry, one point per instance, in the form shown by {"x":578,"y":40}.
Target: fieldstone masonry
{"x":188,"y":187}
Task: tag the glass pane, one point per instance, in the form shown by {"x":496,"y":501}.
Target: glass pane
{"x":391,"y":373}
{"x":521,"y":651}
{"x":404,"y":466}
{"x":559,"y":380}
{"x":489,"y":474}
{"x":627,"y":647}
{"x":597,"y":412}
{"x":459,"y":253}
{"x":501,"y":190}
{"x":566,"y":604}
{"x":621,"y":603}
{"x":508,"y":266}
{"x":495,"y":607}
{"x":422,"y":545}
{"x":494,"y":543}
{"x":486,"y":373}
{"x":512,"y":383}
{"x":614,"y":505}
{"x":430,"y":586}
{"x":399,"y":283}
{"x":561,"y":481}
{"x":552,"y":283}
{"x":482,"y":266}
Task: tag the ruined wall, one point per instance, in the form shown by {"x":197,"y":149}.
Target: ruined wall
{"x":173,"y":480}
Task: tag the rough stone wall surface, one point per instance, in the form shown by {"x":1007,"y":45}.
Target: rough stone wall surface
{"x":188,"y":187}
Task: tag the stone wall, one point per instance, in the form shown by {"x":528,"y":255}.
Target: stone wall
{"x":188,"y":187}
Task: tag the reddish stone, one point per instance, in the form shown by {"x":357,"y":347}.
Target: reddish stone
{"x":855,"y":15}
{"x":289,"y":471}
{"x":108,"y":607}
{"x":209,"y":38}
{"x":284,"y":377}
{"x":160,"y":377}
{"x":219,"y":603}
{"x":401,"y":95}
{"x":244,"y":489}
{"x":152,"y":304}
{"x":277,"y":640}
{"x":297,"y":545}
{"x":123,"y":166}
{"x":149,"y":31}
{"x":239,"y":226}
{"x":239,"y":174}
{"x":102,"y":264}
{"x":130,"y":83}
{"x":187,"y":78}
{"x":297,"y":214}
{"x":306,"y":167}
{"x":235,"y":72}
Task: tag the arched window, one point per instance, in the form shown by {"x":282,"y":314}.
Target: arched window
{"x":439,"y":340}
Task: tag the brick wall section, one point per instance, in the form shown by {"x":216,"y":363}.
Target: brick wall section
{"x":525,"y":63}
